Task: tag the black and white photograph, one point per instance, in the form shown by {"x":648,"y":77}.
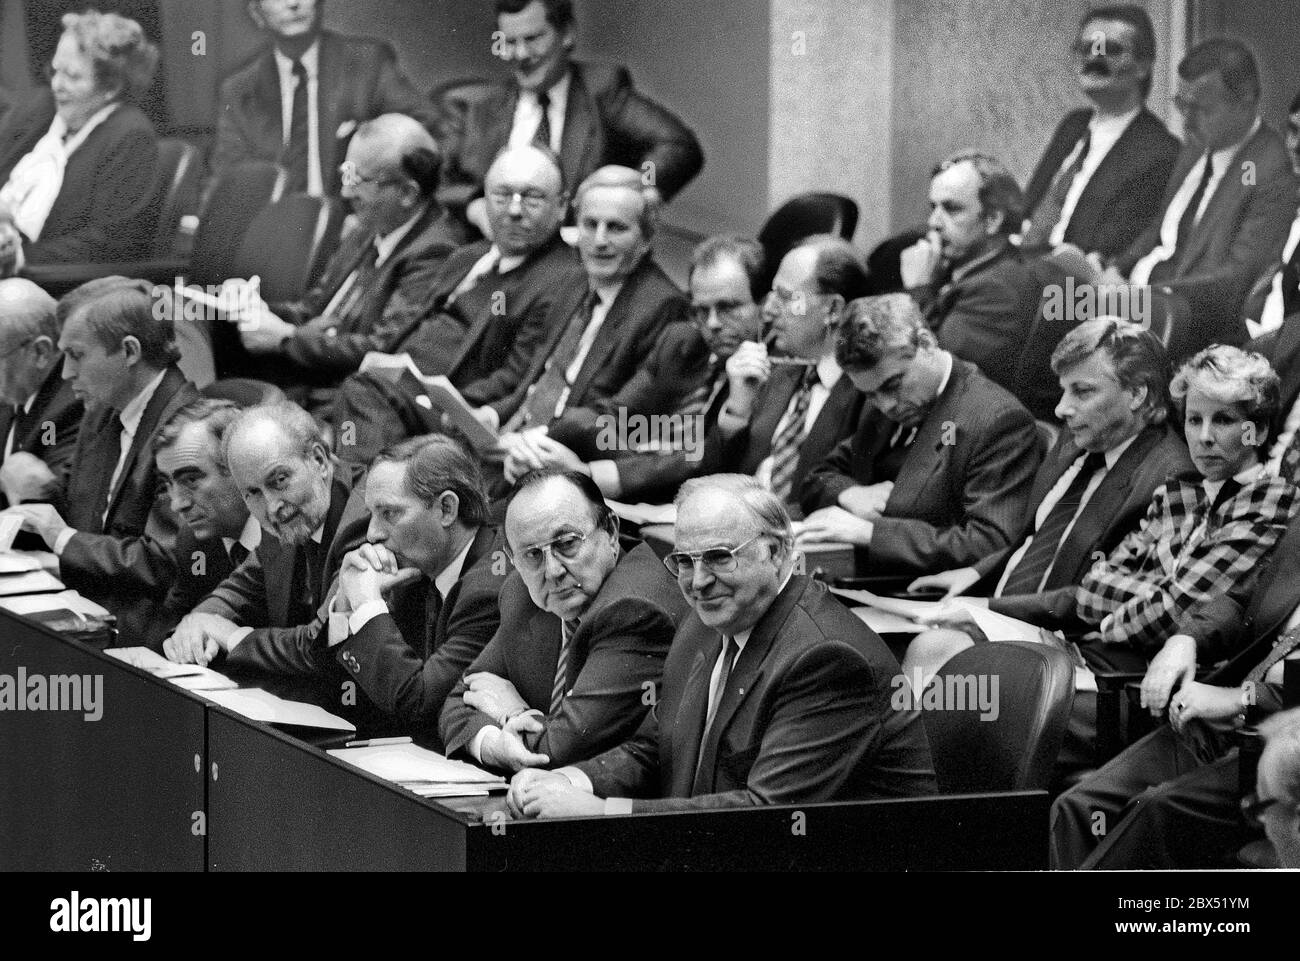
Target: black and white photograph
{"x":652,"y":436}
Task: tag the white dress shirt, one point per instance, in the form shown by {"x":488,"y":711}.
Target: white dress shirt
{"x":1104,"y":133}
{"x":1270,"y":318}
{"x":1054,"y":496}
{"x":248,"y":538}
{"x":310,"y":63}
{"x":528,"y":115}
{"x":1222,"y":161}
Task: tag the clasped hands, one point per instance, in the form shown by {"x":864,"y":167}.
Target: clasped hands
{"x":532,"y":449}
{"x":852,"y":522}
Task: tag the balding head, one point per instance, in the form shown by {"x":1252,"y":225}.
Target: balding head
{"x":29,"y":333}
{"x":391,"y":170}
{"x":525,"y":198}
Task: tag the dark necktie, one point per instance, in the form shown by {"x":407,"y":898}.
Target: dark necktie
{"x":561,"y":683}
{"x":1028,"y":574}
{"x":731,"y":649}
{"x":295,"y":156}
{"x":1291,"y":284}
{"x":1283,"y":646}
{"x":432,"y":611}
{"x":543,"y":135}
{"x":1048,"y":212}
{"x":348,"y":314}
{"x":238,"y":554}
{"x":545,"y":395}
{"x":1188,"y":219}
{"x":11,"y":422}
{"x":102,"y":464}
{"x":786,"y":444}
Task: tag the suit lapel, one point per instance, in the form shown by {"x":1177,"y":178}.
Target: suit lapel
{"x":580,"y":127}
{"x":688,"y":725}
{"x":266,"y":111}
{"x":1223,"y":205}
{"x":828,"y":428}
{"x":610,"y":332}
{"x":776,"y":398}
{"x":162,"y":405}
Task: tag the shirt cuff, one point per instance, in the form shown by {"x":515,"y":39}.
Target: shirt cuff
{"x":232,"y":640}
{"x":364,"y":614}
{"x":605,"y":474}
{"x":476,"y":745}
{"x":61,"y":541}
{"x":729,"y":423}
{"x":618,"y":805}
{"x":577,"y":778}
{"x":494,"y":416}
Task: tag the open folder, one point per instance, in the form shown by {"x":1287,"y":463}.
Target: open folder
{"x":441,"y":393}
{"x":426,"y":773}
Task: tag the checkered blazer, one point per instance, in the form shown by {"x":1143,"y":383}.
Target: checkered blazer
{"x":1186,"y":550}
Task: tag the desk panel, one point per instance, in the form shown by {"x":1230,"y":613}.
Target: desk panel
{"x":115,"y":794}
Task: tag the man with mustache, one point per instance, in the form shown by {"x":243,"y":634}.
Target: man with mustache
{"x":268,"y":614}
{"x":1099,"y":181}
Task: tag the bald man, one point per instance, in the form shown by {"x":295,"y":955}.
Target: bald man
{"x":376,"y":287}
{"x":39,"y":413}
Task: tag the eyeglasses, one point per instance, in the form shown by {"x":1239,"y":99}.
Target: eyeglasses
{"x":351,"y":179}
{"x":566,"y":547}
{"x":1253,"y":807}
{"x":532,"y":201}
{"x":700,"y":313}
{"x":716,"y":560}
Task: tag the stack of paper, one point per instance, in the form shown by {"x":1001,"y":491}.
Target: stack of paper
{"x":192,"y":677}
{"x":425,"y":772}
{"x":439,"y":391}
{"x":61,"y":601}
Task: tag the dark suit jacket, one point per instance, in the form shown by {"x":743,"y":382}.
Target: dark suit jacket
{"x":1240,"y":234}
{"x":745,"y":450}
{"x":1123,"y":194}
{"x":105,"y":210}
{"x":1117,"y":507}
{"x":962,"y":490}
{"x":606,"y":122}
{"x":201,"y":566}
{"x":259,"y":593}
{"x":358,"y":80}
{"x":1282,"y":348}
{"x":407,"y":665}
{"x":676,"y":369}
{"x":806,"y":716}
{"x":986,"y":316}
{"x":49,"y":430}
{"x":125,"y":562}
{"x":1239,"y":625}
{"x":323,"y":350}
{"x":615,"y":657}
{"x":647,"y":303}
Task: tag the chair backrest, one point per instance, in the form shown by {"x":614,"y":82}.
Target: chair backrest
{"x":180,"y":179}
{"x":802,"y":217}
{"x":234,"y":199}
{"x":1012,"y":744}
{"x":244,"y":391}
{"x":287,"y":243}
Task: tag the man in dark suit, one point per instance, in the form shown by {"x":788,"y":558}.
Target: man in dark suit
{"x":1227,"y":206}
{"x":976,"y":291}
{"x":601,"y":333}
{"x":1171,"y":799}
{"x":114,"y":538}
{"x":298,"y":101}
{"x":650,"y":466}
{"x":41,"y":416}
{"x":408,"y":639}
{"x":217,"y":532}
{"x":376,"y":287}
{"x":1276,"y":294}
{"x":939,"y":473}
{"x":1098,"y":184}
{"x":1282,"y":348}
{"x":787,"y":408}
{"x":267,"y":616}
{"x":1097,"y":481}
{"x":584,"y":631}
{"x":773,"y":693}
{"x":492,"y":299}
{"x":589,"y":114}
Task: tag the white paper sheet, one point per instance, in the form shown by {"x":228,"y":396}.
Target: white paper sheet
{"x":260,"y":705}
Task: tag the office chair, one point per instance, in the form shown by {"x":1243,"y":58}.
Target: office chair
{"x":243,"y":391}
{"x":802,"y":217}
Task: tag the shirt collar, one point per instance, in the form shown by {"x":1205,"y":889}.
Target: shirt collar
{"x":386,"y":244}
{"x":1245,"y":477}
{"x":558,"y":91}
{"x":133,"y":412}
{"x":742,"y":637}
{"x":1113,"y":455}
{"x":1120,"y":122}
{"x":249,"y":538}
{"x":507,"y":262}
{"x":606,"y":294}
{"x":310,"y":60}
{"x":451,"y":573}
{"x":72,"y":141}
{"x":947,"y":361}
{"x":999,"y":244}
{"x":1221,"y":158}
{"x":828,"y":371}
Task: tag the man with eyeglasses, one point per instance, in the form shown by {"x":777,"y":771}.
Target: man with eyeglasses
{"x":1098,"y":183}
{"x":298,"y":101}
{"x":585,"y":627}
{"x":491,"y":307}
{"x":724,"y":316}
{"x":41,"y":415}
{"x":375,"y":289}
{"x":773,"y":693}
{"x":939,"y":472}
{"x":588,"y":113}
{"x":787,"y":401}
{"x":1171,"y":799}
{"x":1228,"y":204}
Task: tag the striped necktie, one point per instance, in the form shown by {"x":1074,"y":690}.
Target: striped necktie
{"x":786,"y":444}
{"x":1033,"y":567}
{"x":561,"y":684}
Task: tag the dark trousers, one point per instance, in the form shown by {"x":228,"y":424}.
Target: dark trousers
{"x":1156,"y":805}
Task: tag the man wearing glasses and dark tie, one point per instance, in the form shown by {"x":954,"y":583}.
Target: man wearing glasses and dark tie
{"x":585,"y":627}
{"x":773,"y":693}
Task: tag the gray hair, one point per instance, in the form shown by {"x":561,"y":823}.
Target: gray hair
{"x":293,"y":422}
{"x":627,"y":179}
{"x":27,"y":311}
{"x":1231,"y":375}
{"x":117,"y":47}
{"x":765,"y":507}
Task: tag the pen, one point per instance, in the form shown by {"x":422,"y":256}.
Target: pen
{"x":378,"y":742}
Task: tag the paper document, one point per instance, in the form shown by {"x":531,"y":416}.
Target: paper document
{"x":442,"y":394}
{"x":259,"y":705}
{"x":644,"y":513}
{"x":62,"y":601}
{"x":30,"y":582}
{"x":425,"y":772}
{"x":17,"y":562}
{"x":192,"y":677}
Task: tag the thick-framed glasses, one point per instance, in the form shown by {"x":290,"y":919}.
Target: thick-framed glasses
{"x":566,"y":547}
{"x":532,"y":201}
{"x":351,"y":179}
{"x":716,"y":560}
{"x":700,"y":313}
